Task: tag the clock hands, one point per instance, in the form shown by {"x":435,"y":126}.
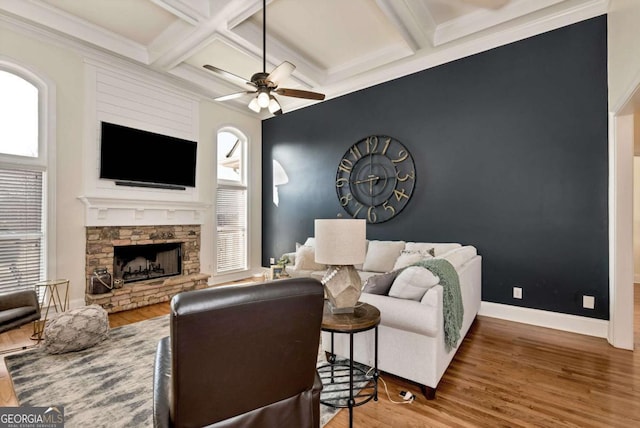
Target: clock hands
{"x":371,"y":180}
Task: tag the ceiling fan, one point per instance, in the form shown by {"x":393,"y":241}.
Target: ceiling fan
{"x":264,"y":84}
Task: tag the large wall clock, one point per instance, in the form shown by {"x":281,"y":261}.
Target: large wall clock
{"x":375,"y":178}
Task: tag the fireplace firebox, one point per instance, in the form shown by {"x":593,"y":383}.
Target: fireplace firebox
{"x":140,"y":262}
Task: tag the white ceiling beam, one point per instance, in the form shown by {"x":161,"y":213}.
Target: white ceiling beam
{"x":183,"y":48}
{"x":400,"y":16}
{"x":45,"y":15}
{"x":168,"y":40}
{"x":191,"y":12}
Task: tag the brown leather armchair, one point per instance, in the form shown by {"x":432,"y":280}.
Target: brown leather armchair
{"x":241,"y":356}
{"x":18,"y":308}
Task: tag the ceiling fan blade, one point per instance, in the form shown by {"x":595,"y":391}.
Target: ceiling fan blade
{"x":298,"y":93}
{"x":281,"y":72}
{"x":234,"y":96}
{"x":227,"y":75}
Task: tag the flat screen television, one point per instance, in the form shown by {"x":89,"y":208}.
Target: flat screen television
{"x":134,"y":157}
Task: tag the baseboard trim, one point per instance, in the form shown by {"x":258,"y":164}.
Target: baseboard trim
{"x":540,"y":318}
{"x":636,"y":278}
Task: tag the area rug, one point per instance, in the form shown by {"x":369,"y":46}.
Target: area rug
{"x":108,"y":385}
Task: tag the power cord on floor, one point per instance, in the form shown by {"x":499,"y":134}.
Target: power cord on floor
{"x":407,"y":396}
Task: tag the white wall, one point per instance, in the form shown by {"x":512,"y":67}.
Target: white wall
{"x":66,"y":68}
{"x":624,"y":55}
{"x":214,"y":116}
{"x":636,"y":218}
{"x":624,"y":82}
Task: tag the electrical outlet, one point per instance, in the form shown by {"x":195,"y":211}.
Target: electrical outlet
{"x":272,"y":261}
{"x":517,"y":292}
{"x":588,"y":302}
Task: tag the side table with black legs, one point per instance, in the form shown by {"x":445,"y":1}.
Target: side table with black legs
{"x":339,"y":378}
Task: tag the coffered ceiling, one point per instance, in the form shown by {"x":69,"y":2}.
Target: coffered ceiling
{"x":338,"y":46}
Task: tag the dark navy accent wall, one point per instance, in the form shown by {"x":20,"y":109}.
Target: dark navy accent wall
{"x":510,"y":148}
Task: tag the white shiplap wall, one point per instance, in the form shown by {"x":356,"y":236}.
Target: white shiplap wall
{"x":137,"y":100}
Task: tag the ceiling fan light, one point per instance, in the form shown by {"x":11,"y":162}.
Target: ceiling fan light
{"x":263,"y":99}
{"x":274,"y":106}
{"x":253,"y":105}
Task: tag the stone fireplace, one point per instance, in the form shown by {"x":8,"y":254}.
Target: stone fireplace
{"x":153,"y":262}
{"x":133,"y":263}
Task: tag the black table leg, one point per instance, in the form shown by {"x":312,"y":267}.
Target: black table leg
{"x":351,"y":400}
{"x":375,"y":366}
{"x":332,"y":359}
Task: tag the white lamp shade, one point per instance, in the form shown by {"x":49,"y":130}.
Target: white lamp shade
{"x":263,"y":99}
{"x":340,"y":241}
{"x":253,"y":105}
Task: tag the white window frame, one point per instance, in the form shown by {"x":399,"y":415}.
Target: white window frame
{"x":45,"y":161}
{"x":230,"y":184}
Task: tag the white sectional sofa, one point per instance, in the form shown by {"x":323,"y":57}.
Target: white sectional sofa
{"x":411,"y":333}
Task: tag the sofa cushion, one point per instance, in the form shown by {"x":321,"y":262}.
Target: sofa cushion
{"x":408,"y":258}
{"x":76,"y":329}
{"x":382,"y":255}
{"x":412,"y":283}
{"x":438,"y":247}
{"x":406,"y":315}
{"x":306,"y":259}
{"x":459,"y":256}
{"x":380,"y":284}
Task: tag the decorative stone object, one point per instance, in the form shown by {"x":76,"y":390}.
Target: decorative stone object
{"x":343,"y":286}
{"x":76,"y":329}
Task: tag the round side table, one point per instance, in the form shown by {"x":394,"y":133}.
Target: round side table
{"x":339,"y":378}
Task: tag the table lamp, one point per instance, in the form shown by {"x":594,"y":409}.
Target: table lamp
{"x":340,"y":244}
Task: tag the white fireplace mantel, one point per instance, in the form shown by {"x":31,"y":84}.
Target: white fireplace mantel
{"x":101,"y":211}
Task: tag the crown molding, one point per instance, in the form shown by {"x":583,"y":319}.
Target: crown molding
{"x":486,"y":18}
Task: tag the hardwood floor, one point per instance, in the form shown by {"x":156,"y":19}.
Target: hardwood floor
{"x":505,"y":374}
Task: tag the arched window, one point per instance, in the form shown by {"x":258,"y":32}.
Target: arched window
{"x":231,"y":201}
{"x":23,"y":172}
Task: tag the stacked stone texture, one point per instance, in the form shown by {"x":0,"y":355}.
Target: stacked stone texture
{"x":99,"y":254}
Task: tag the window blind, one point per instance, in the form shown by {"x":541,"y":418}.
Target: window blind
{"x":231,"y":225}
{"x":21,"y":229}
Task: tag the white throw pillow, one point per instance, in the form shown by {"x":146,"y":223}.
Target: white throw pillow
{"x":382,"y":255}
{"x":306,"y":259}
{"x":408,"y":258}
{"x":412,"y":283}
{"x":360,"y":266}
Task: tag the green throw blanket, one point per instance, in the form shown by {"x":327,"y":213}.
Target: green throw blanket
{"x":452,"y":308}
